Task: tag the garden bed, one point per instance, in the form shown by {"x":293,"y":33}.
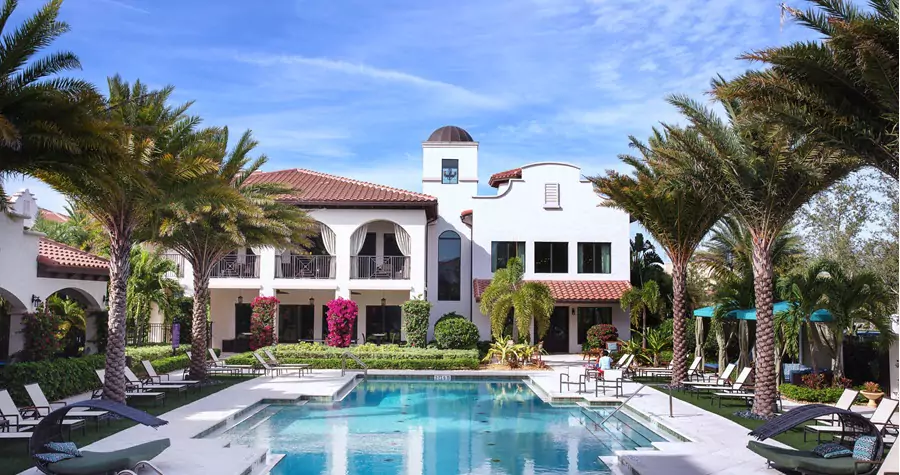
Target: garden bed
{"x":320,"y":356}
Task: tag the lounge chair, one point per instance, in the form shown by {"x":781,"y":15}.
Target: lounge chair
{"x":656,"y":370}
{"x":881,"y":419}
{"x":891,"y":463}
{"x":153,"y":377}
{"x":720,"y":381}
{"x":134,"y":383}
{"x":273,"y":370}
{"x":844,"y":402}
{"x":621,"y":360}
{"x":124,"y":461}
{"x":274,"y":361}
{"x":42,"y":406}
{"x":738,"y":390}
{"x":806,"y":462}
{"x":28,"y":419}
{"x":129,"y":394}
{"x":217,"y":363}
{"x":210,"y":367}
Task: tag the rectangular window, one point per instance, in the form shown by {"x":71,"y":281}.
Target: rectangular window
{"x":503,"y":251}
{"x":551,"y":257}
{"x":450,"y":171}
{"x":551,"y":195}
{"x":590,"y":316}
{"x":384,"y":320}
{"x":594,"y":258}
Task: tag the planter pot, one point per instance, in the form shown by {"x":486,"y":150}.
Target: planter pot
{"x":872,"y":397}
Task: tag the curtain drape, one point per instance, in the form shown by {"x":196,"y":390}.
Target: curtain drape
{"x":402,"y":238}
{"x":329,"y":240}
{"x":358,"y":239}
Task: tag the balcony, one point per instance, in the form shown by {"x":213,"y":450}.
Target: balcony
{"x":304,"y":267}
{"x":237,"y":266}
{"x":379,"y":267}
{"x":178,"y":259}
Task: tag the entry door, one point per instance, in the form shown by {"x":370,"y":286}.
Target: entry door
{"x":242,"y":312}
{"x":557,"y":338}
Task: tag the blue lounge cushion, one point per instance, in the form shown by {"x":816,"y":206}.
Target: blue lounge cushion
{"x":864,"y":448}
{"x":832,"y":450}
{"x":63,"y":448}
{"x":53,"y":457}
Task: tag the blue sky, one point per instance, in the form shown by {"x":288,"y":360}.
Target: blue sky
{"x":354,"y":87}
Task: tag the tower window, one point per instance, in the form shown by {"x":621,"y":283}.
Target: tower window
{"x":450,"y":171}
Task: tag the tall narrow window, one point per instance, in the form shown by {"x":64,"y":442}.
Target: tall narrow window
{"x":551,"y":195}
{"x":594,"y":258}
{"x":551,"y":257}
{"x":449,"y":252}
{"x":503,"y":251}
{"x":450,"y":170}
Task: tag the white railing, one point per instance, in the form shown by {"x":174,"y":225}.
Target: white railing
{"x":379,"y":267}
{"x":304,"y":267}
{"x":236,"y":266}
{"x":178,"y":259}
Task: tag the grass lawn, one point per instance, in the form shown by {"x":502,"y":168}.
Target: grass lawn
{"x":14,"y":453}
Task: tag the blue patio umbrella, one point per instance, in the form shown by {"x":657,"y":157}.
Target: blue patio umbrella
{"x":821,"y":315}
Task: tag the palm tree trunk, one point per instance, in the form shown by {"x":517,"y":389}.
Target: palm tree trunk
{"x":644,"y":340}
{"x":119,"y":269}
{"x":837,"y":366}
{"x":764,"y":377}
{"x":722,"y":343}
{"x":744,"y":344}
{"x":679,"y":317}
{"x":198,"y":326}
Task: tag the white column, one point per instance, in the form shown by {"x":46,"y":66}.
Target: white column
{"x":266,"y":264}
{"x":90,"y":334}
{"x":16,"y":337}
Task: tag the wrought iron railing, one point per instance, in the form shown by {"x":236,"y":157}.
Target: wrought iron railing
{"x":237,"y":266}
{"x":304,"y":267}
{"x":160,"y":333}
{"x":178,"y":259}
{"x":379,"y":267}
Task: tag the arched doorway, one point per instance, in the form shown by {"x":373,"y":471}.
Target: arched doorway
{"x":318,"y":262}
{"x":380,"y":249}
{"x":74,"y":306}
{"x":9,"y":305}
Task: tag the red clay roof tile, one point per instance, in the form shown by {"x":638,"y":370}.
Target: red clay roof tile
{"x":572,"y":290}
{"x":315,"y":187}
{"x":503,"y":177}
{"x":56,"y":254}
{"x":53,"y":216}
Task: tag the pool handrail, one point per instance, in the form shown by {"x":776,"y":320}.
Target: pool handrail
{"x":357,"y":360}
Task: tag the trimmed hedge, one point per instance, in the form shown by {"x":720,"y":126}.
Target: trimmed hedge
{"x":374,"y":356}
{"x":58,"y":378}
{"x":828,"y":395}
{"x":456,"y":333}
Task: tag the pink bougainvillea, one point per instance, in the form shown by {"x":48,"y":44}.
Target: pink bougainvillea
{"x":41,"y":331}
{"x":262,"y":322}
{"x":342,"y":314}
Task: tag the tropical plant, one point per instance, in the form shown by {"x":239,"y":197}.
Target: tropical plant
{"x":504,"y":350}
{"x":788,"y":326}
{"x":728,"y":251}
{"x":232,"y":209}
{"x":763,"y":175}
{"x":677,"y":216}
{"x":79,"y":230}
{"x":655,"y":342}
{"x":415,"y":321}
{"x":141,"y":172}
{"x":341,"y":315}
{"x":455,"y":334}
{"x":46,"y":121}
{"x":640,"y":301}
{"x":262,"y":322}
{"x":645,"y":262}
{"x":598,"y":335}
{"x":149,"y":285}
{"x":871,"y":387}
{"x":528,"y":301}
{"x":840,"y":90}
{"x":41,"y":332}
{"x":71,"y":323}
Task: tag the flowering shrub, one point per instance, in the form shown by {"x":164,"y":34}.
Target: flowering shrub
{"x":41,"y":331}
{"x":341,"y":315}
{"x":262,"y":322}
{"x":814,"y":380}
{"x":598,"y":335}
{"x":415,"y":321}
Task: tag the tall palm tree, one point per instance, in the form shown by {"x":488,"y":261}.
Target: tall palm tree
{"x":840,"y":90}
{"x":640,"y":301}
{"x":46,"y":121}
{"x":676,"y":216}
{"x":206,"y":230}
{"x":763,"y":174}
{"x":645,"y":262}
{"x":79,"y":230}
{"x":142,"y":171}
{"x":529,"y":301}
{"x":728,"y":251}
{"x":148,"y":284}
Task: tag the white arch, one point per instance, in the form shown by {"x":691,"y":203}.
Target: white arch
{"x":82,"y":296}
{"x":15,"y":305}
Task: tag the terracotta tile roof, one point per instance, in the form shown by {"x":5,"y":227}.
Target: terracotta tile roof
{"x":56,"y":254}
{"x":466,"y":212}
{"x":53,"y":216}
{"x":315,"y":187}
{"x":572,"y":290}
{"x":503,"y":177}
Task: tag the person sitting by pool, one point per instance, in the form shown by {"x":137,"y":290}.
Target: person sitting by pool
{"x":603,"y":362}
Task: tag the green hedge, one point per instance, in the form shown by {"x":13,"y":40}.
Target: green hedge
{"x":374,"y":356}
{"x":58,"y":378}
{"x":456,"y":333}
{"x":805,"y":394}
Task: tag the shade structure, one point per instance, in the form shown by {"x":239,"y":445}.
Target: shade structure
{"x":750,"y":313}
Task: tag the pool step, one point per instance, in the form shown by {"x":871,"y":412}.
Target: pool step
{"x":621,"y":427}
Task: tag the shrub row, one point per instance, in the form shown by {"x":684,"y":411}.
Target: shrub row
{"x":370,"y":351}
{"x":371,"y":362}
{"x":828,"y":395}
{"x":58,"y":378}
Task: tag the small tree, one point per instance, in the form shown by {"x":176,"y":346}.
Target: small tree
{"x":41,"y":331}
{"x":341,"y":315}
{"x":598,"y":335}
{"x":528,"y":301}
{"x":262,"y":322}
{"x":415,"y":321}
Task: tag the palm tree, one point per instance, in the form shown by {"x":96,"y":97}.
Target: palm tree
{"x":645,"y":262}
{"x":804,"y":291}
{"x":141,"y":172}
{"x":729,"y":250}
{"x":763,"y":174}
{"x":71,"y":314}
{"x":528,"y":301}
{"x":206,"y":230}
{"x":80,"y":230}
{"x":46,"y":121}
{"x":148,"y":285}
{"x":676,"y":216}
{"x":842,"y":90}
{"x":640,"y":301}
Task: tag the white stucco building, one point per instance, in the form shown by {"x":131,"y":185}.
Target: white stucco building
{"x":381,"y":246}
{"x":35,"y":268}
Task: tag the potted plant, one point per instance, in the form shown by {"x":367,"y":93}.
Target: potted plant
{"x":872,"y":392}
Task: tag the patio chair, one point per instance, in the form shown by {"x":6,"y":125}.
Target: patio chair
{"x":881,"y":419}
{"x":210,"y":367}
{"x":621,"y":360}
{"x":129,"y":460}
{"x":156,"y":396}
{"x":41,"y":404}
{"x":274,"y":361}
{"x":738,"y":390}
{"x":844,"y":402}
{"x":153,"y":377}
{"x":611,"y":379}
{"x":135,"y":383}
{"x":217,"y":363}
{"x":720,"y":381}
{"x":24,"y":419}
{"x":270,"y":370}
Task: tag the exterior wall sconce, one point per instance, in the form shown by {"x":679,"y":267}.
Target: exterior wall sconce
{"x":106,"y":299}
{"x":240,"y":299}
{"x":35,"y":300}
{"x":573,"y":310}
{"x":312,"y":301}
{"x":383,"y":301}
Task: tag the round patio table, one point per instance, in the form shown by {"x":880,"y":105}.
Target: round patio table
{"x":379,"y":337}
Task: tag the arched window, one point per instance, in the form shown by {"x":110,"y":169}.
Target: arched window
{"x":448,"y":266}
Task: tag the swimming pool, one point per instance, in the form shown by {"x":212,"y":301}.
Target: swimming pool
{"x":437,"y":428}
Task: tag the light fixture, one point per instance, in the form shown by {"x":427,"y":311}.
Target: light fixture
{"x":383,"y":301}
{"x":35,"y":300}
{"x":312,"y":301}
{"x":240,"y":299}
{"x":573,"y":310}
{"x":106,"y":299}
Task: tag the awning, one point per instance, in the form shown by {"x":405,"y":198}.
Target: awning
{"x":750,"y":313}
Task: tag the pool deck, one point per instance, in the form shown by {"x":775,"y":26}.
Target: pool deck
{"x":709,"y":444}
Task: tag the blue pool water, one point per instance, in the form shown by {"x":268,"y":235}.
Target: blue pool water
{"x":437,"y":428}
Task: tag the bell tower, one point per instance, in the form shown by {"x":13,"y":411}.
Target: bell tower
{"x":450,"y":165}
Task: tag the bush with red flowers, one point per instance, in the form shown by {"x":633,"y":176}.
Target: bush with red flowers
{"x":598,"y":335}
{"x":41,"y":331}
{"x":342,"y":314}
{"x":262,"y":322}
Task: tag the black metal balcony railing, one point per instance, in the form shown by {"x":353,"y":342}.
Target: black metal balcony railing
{"x":379,"y":267}
{"x":150,"y":333}
{"x":304,"y":267}
{"x":178,"y":259}
{"x":237,"y":266}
